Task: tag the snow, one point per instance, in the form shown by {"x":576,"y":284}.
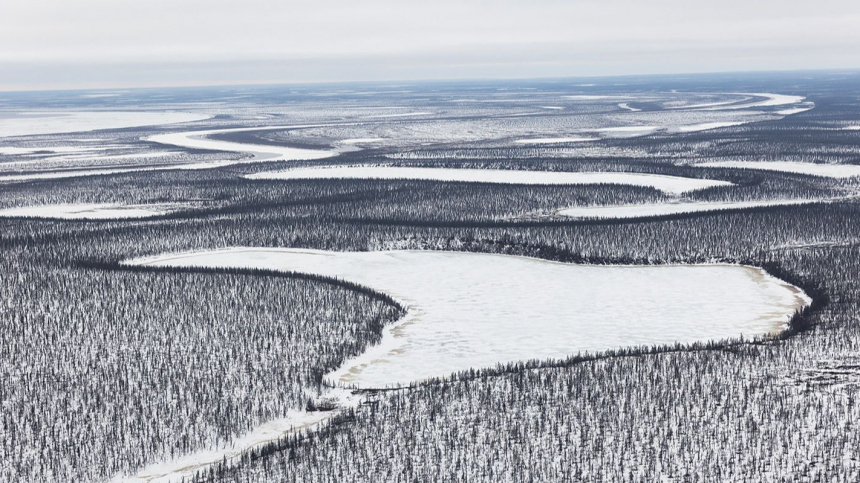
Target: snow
{"x":661,"y":209}
{"x":472,"y":310}
{"x":21,"y":151}
{"x":259,"y":152}
{"x":795,"y":110}
{"x":185,"y":467}
{"x":708,"y":125}
{"x":668,"y":184}
{"x":92,"y":211}
{"x":37,"y":122}
{"x":197,"y":140}
{"x":852,"y":128}
{"x":405,"y":114}
{"x":769,"y":101}
{"x":627,"y":131}
{"x":555,"y":140}
{"x":361,"y":140}
{"x":825,"y":170}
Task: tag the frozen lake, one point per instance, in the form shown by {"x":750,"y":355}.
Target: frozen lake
{"x":668,"y":184}
{"x":469,"y":310}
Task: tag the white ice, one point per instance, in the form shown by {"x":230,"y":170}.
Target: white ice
{"x":555,"y":140}
{"x":661,"y":209}
{"x":825,"y":170}
{"x":37,"y":122}
{"x":361,"y":140}
{"x":707,"y":126}
{"x":470,"y":310}
{"x":196,"y":140}
{"x":259,"y":152}
{"x":93,"y":211}
{"x":769,"y":101}
{"x":668,"y":184}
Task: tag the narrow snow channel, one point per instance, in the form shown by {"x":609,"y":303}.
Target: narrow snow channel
{"x":663,"y":209}
{"x":470,"y":310}
{"x":93,"y":211}
{"x":668,"y":184}
{"x":825,"y":170}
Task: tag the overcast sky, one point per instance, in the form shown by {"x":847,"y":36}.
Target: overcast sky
{"x":122,"y":43}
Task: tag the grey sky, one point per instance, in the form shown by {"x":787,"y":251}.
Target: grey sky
{"x":101,"y":43}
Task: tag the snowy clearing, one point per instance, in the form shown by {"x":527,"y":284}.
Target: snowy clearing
{"x":708,"y":125}
{"x":668,"y":184}
{"x":825,"y":170}
{"x":471,"y":310}
{"x":185,"y":467}
{"x":361,"y":140}
{"x":661,"y":209}
{"x":93,"y":211}
{"x":555,"y":140}
{"x":626,"y":131}
{"x":35,"y":122}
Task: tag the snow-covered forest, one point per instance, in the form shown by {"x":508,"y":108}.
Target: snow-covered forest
{"x":109,"y":368}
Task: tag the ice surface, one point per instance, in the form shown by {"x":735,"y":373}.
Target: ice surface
{"x":668,"y":184}
{"x":826,"y":170}
{"x":470,"y":310}
{"x":259,"y":152}
{"x":30,"y":123}
{"x":93,"y":211}
{"x":708,"y":125}
{"x":555,"y":140}
{"x":660,"y":209}
{"x":196,"y":140}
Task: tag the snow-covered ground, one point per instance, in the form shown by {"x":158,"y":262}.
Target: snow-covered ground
{"x":769,"y":101}
{"x":93,"y":211}
{"x":470,"y":310}
{"x":626,"y":131}
{"x":35,"y":122}
{"x":708,"y":125}
{"x":555,"y":140}
{"x":825,"y":170}
{"x":668,"y":184}
{"x":662,"y":209}
{"x":750,"y":100}
{"x":259,"y":152}
{"x":361,"y":140}
{"x":196,"y":140}
{"x":185,"y":467}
